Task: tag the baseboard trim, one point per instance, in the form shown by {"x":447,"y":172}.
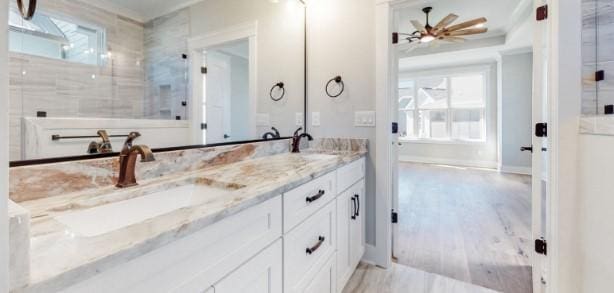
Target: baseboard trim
{"x":515,"y":170}
{"x":454,"y":162}
{"x":370,"y":253}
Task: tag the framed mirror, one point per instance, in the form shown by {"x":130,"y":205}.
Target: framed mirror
{"x":85,"y":73}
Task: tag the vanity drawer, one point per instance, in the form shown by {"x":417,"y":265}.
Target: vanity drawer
{"x":303,"y":201}
{"x":309,"y":246}
{"x":350,"y":174}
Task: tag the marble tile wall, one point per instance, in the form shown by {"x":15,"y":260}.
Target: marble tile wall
{"x":597,"y":54}
{"x":165,"y":70}
{"x":68,"y":89}
{"x":38,"y":181}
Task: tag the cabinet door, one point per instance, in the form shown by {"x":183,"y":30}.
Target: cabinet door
{"x":261,"y":274}
{"x":357,"y":225}
{"x":346,"y":209}
{"x":325,"y":279}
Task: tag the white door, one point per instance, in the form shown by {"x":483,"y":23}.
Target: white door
{"x":540,"y":162}
{"x":261,"y":274}
{"x":394,"y":151}
{"x":217,"y":98}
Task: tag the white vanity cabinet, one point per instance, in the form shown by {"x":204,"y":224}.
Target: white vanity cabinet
{"x":261,"y":274}
{"x":308,"y":239}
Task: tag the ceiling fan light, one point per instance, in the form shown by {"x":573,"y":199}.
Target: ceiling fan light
{"x":427,"y":39}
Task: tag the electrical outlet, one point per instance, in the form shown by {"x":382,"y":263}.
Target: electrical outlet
{"x":315,"y":118}
{"x":364,"y":118}
{"x":299,"y":119}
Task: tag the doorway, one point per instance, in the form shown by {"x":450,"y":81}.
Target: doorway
{"x":226,"y":98}
{"x":466,"y":208}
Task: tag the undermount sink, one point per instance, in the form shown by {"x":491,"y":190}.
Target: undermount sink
{"x":113,"y":216}
{"x":317,"y":157}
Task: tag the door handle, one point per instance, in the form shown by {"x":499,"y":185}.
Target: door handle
{"x":311,"y":199}
{"x":524,"y":149}
{"x":313,"y":249}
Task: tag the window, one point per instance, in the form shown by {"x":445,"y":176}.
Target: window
{"x":53,"y":37}
{"x":443,"y":107}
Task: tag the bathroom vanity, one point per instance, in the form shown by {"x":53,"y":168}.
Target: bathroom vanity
{"x":257,"y":219}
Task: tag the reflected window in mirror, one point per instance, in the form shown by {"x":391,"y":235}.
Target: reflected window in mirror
{"x":52,"y":36}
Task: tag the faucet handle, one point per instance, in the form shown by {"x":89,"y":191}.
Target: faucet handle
{"x":297,"y":131}
{"x":131,"y":137}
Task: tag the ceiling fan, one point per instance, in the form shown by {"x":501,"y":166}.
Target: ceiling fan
{"x":441,"y":31}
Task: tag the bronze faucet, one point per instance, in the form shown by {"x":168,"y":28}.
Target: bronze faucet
{"x":296,"y":140}
{"x":101,"y":147}
{"x":127,"y":160}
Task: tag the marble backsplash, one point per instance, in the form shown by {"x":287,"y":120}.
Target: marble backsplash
{"x":39,"y":181}
{"x":340,"y":144}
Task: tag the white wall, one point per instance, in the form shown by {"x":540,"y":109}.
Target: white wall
{"x":467,"y":154}
{"x":279,"y":49}
{"x":515,"y":111}
{"x":4,"y":147}
{"x":596,"y":218}
{"x":341,"y":42}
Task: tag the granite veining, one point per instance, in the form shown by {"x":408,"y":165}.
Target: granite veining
{"x":39,"y":181}
{"x":61,"y":257}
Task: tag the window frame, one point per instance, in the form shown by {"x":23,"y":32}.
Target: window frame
{"x":483,"y":70}
{"x":101,"y":35}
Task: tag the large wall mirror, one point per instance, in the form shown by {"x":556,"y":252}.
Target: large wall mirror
{"x":181,"y":73}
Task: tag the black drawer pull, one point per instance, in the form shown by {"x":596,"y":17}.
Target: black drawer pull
{"x":315,"y":247}
{"x":358,"y":201}
{"x":353,"y":208}
{"x":310,"y":199}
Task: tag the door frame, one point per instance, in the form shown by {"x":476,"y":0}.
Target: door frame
{"x":196,"y":46}
{"x":564,"y":96}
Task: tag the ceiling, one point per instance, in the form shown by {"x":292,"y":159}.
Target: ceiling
{"x":142,"y":10}
{"x":501,"y":14}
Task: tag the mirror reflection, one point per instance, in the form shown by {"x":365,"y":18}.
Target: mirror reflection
{"x":84,"y":74}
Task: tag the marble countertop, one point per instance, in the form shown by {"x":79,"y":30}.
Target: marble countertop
{"x":61,"y":257}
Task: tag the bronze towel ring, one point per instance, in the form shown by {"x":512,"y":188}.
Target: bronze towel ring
{"x":27,"y":12}
{"x":339,"y":81}
{"x":279,"y":85}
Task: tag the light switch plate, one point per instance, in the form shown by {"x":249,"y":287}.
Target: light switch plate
{"x":364,"y":118}
{"x":315,"y":118}
{"x":299,"y":119}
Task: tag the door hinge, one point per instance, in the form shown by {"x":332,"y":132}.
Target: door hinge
{"x":541,"y":246}
{"x":394,"y":217}
{"x":542,"y":13}
{"x":599,"y":75}
{"x":203,"y":70}
{"x":203,"y":126}
{"x":395,"y":127}
{"x":541,"y":129}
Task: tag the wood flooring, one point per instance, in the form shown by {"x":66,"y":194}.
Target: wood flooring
{"x":403,"y":279}
{"x":471,"y":225}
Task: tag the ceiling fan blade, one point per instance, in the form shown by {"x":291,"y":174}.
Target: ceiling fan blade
{"x":466,"y":32}
{"x":445,"y":22}
{"x":466,"y":24}
{"x":419,"y":27}
{"x":452,"y":39}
